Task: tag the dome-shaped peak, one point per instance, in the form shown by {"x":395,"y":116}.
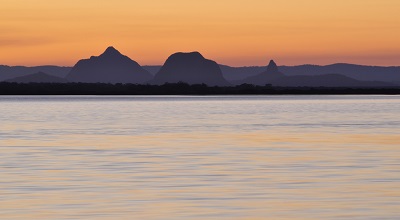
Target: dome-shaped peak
{"x":272,"y":67}
{"x":194,"y":55}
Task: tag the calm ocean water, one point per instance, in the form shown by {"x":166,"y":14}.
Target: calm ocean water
{"x":218,"y":157}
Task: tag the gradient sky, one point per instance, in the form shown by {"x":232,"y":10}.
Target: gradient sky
{"x":233,"y":32}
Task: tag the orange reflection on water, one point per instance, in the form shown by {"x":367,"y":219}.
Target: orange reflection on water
{"x":253,"y":175}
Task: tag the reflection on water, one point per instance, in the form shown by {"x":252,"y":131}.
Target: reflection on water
{"x":248,"y":157}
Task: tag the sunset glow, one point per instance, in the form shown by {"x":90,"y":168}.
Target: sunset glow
{"x":232,"y":32}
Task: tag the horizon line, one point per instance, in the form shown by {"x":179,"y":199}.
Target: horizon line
{"x":221,"y":64}
{"x":198,"y":51}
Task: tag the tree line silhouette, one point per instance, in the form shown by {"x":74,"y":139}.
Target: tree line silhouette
{"x":7,"y":88}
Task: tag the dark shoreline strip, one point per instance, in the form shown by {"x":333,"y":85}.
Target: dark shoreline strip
{"x":179,"y":89}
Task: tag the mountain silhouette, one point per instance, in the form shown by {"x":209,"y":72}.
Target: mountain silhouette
{"x":109,"y":67}
{"x":327,"y":80}
{"x":9,"y":72}
{"x":359,"y":72}
{"x":153,"y":69}
{"x":191,"y":68}
{"x":273,"y":76}
{"x":266,"y":77}
{"x":39,"y":77}
{"x":390,"y":74}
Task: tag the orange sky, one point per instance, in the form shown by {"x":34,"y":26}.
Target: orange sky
{"x":233,"y":32}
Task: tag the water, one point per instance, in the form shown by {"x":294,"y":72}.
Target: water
{"x":222,"y":157}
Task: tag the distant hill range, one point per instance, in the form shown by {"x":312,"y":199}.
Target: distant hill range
{"x":8,"y":72}
{"x":268,"y":76}
{"x":328,"y":80}
{"x":193,"y":68}
{"x":273,"y":76}
{"x":39,"y":77}
{"x":109,"y":67}
{"x":358,"y":72}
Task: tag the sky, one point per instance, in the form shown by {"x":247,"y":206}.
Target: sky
{"x":232,"y":32}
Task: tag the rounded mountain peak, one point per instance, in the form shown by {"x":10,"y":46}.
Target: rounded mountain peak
{"x":188,"y":55}
{"x":191,"y":68}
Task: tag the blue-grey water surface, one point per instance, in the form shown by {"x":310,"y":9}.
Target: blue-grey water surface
{"x":205,"y":157}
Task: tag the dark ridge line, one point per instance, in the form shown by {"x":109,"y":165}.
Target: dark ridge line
{"x":7,"y":88}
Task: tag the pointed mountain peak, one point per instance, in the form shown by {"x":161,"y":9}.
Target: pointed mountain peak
{"x":109,"y":67}
{"x":111,"y":51}
{"x":272,"y":62}
{"x":272,"y":67}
